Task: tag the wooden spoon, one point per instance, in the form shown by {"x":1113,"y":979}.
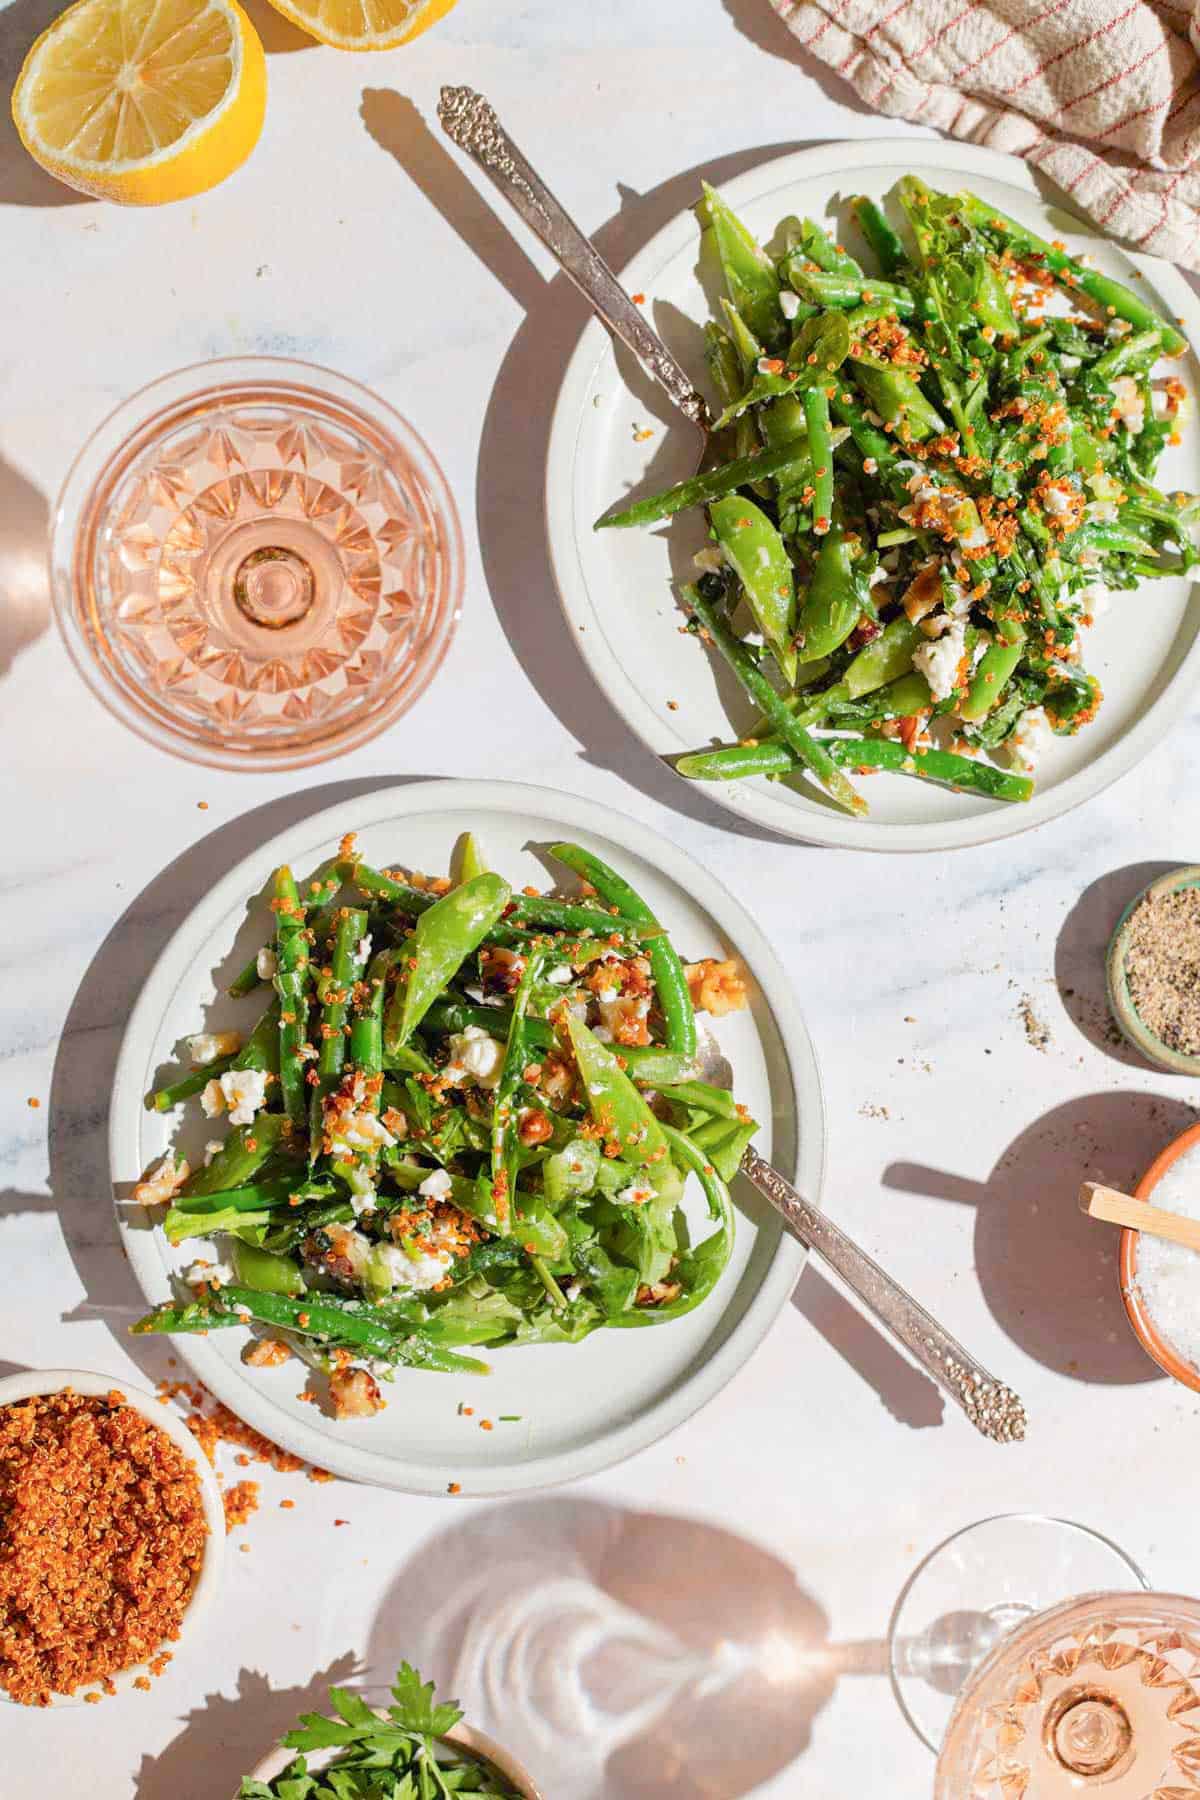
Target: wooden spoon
{"x":1137,"y":1215}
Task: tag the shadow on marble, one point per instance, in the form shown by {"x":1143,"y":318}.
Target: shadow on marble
{"x":79,"y":1182}
{"x":619,"y":1654}
{"x":509,"y":505}
{"x":224,"y":1738}
{"x":1081,"y":950}
{"x":24,"y":586}
{"x":905,"y":1391}
{"x":22,"y":181}
{"x":755,"y":20}
{"x":1048,"y":1273}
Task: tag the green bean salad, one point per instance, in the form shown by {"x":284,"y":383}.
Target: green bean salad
{"x":399,"y":1754}
{"x":467,"y":1116}
{"x":924,"y":481}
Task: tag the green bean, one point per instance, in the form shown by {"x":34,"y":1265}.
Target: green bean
{"x":820,"y":449}
{"x":1136,"y":347}
{"x":333,"y":996}
{"x":700,"y":490}
{"x":321,"y":889}
{"x":670,"y":982}
{"x":264,"y":1271}
{"x":934,"y":765}
{"x":812,"y":754}
{"x":291,"y":981}
{"x":820,"y":248}
{"x":846,"y":291}
{"x":194,"y":1082}
{"x":504,"y":1121}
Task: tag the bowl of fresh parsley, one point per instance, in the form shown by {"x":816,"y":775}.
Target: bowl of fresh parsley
{"x":415,"y":1749}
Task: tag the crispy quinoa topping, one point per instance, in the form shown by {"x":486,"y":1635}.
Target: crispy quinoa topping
{"x":102,"y":1534}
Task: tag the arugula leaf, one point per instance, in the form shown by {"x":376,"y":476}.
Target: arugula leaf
{"x":414,"y":1709}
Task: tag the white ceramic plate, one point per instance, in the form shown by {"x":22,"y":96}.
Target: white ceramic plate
{"x":616,"y":586}
{"x":582,"y":1406}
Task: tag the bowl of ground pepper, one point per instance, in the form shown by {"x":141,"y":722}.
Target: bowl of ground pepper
{"x":1153,"y":971}
{"x":112,"y":1534}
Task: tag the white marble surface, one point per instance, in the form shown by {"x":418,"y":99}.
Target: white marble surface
{"x":804,"y":1495}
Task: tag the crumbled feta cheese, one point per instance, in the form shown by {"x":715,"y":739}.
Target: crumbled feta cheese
{"x":878,"y":574}
{"x":572,"y":1291}
{"x":1130,"y":407}
{"x":363,"y":1198}
{"x":1095,"y":599}
{"x":606,"y":995}
{"x":1069,"y":364}
{"x":206,"y":1046}
{"x":1106,"y":510}
{"x":266,"y":963}
{"x":1118,"y":328}
{"x":1056,"y":501}
{"x":975,"y":539}
{"x":960,"y":600}
{"x":213,"y":1274}
{"x":789,"y":303}
{"x":362,"y":949}
{"x":602,"y":1034}
{"x":479,"y":1056}
{"x":421,"y":1272}
{"x":244,"y":1092}
{"x":710,"y":560}
{"x":212,"y":1099}
{"x":163,"y":1182}
{"x":636,"y":1194}
{"x":437,"y":1185}
{"x":359,"y":1131}
{"x":1030,"y":740}
{"x":939,"y":660}
{"x":213,"y":1148}
{"x":618,"y":1012}
{"x":560,"y":976}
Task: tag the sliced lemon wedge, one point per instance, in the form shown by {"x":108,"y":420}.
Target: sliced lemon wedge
{"x":364,"y":24}
{"x":143,"y":101}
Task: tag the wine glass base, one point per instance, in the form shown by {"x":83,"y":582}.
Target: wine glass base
{"x":975,"y":1589}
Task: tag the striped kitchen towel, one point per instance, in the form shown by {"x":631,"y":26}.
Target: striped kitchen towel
{"x":1103,"y":95}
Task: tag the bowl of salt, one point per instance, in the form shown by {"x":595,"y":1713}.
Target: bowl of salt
{"x":1160,"y":1280}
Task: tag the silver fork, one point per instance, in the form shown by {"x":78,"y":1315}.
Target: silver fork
{"x":992,"y":1407}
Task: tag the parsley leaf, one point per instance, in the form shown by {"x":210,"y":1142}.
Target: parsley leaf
{"x":414,"y":1709}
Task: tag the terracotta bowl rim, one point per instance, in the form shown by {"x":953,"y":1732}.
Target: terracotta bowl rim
{"x":1151,"y":1341}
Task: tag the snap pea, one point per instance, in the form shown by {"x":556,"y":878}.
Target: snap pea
{"x":264,"y":1271}
{"x":470,"y":858}
{"x":670,"y":982}
{"x":993,"y":671}
{"x":898,"y":400}
{"x":750,"y":278}
{"x":820,"y":248}
{"x":617,"y":1108}
{"x":445,"y":935}
{"x":700,"y":1269}
{"x":811,"y":753}
{"x":845,"y":291}
{"x":755,"y":550}
{"x":833,"y":605}
{"x":877,"y":229}
{"x":242,"y":1155}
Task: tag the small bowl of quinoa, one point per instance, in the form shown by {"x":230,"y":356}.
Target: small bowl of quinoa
{"x":1153,"y":972}
{"x":112,"y":1533}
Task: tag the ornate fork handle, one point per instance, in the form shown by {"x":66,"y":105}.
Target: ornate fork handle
{"x":991,"y":1407}
{"x":470,"y":121}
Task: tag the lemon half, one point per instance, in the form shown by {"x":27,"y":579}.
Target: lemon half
{"x":364,"y":24}
{"x":143,"y":101}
